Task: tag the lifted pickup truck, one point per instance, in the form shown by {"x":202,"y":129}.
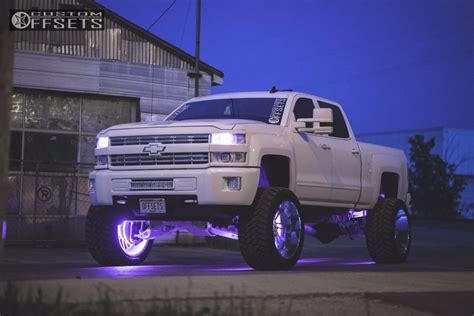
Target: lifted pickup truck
{"x":261,"y":167}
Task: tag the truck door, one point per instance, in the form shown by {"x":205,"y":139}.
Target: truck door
{"x":313,"y":161}
{"x":346,"y":159}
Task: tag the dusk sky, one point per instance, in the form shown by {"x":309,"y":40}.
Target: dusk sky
{"x":393,"y":65}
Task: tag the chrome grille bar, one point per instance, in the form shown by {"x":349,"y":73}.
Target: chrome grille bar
{"x":163,"y":159}
{"x":162,"y":139}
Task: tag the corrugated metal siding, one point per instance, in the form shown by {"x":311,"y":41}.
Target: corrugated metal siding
{"x":115,"y":42}
{"x":169,"y":87}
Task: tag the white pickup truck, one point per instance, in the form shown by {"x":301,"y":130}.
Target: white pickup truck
{"x":261,"y":167}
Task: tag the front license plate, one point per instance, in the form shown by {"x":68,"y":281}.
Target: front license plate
{"x":152,"y":206}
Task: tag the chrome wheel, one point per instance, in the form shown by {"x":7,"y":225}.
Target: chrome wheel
{"x":287,"y":229}
{"x":127,"y":233}
{"x":402,"y":231}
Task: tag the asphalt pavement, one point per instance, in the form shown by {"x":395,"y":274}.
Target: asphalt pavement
{"x":438,"y":277}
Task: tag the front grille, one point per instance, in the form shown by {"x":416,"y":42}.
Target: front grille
{"x":160,"y":184}
{"x":163,"y":159}
{"x":162,"y":139}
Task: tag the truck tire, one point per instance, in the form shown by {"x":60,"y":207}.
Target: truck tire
{"x":388,"y":231}
{"x":105,"y":239}
{"x":264,"y":239}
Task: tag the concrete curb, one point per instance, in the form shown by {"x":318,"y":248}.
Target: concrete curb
{"x":357,"y":293}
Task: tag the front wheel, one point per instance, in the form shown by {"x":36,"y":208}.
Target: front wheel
{"x":272,"y":236}
{"x":388,"y":231}
{"x":112,"y":240}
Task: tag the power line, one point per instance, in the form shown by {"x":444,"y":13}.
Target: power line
{"x":161,"y":15}
{"x":185,"y":23}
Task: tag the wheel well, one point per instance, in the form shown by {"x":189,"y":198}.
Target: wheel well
{"x":275,"y":171}
{"x":389,"y":184}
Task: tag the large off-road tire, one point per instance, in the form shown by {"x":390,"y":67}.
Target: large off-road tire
{"x":271,"y":237}
{"x":388,"y":231}
{"x":103,"y":227}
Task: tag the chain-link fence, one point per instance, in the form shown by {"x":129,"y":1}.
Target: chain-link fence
{"x":48,"y":203}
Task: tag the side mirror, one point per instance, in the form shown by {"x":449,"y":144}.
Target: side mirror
{"x":319,"y":116}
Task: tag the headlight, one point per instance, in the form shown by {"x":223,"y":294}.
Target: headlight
{"x":102,"y":142}
{"x":227,"y":139}
{"x":229,"y":157}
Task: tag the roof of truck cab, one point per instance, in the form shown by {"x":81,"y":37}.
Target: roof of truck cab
{"x":255,"y":94}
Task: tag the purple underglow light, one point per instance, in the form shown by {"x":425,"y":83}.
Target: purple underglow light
{"x":229,"y":269}
{"x":4,"y":230}
{"x":309,"y":229}
{"x":333,"y":261}
{"x":355,"y":263}
{"x":313,"y":260}
{"x":382,"y":195}
{"x":263,"y":181}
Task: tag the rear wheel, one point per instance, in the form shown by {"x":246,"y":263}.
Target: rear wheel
{"x":112,"y":240}
{"x":272,"y":236}
{"x":388,"y":231}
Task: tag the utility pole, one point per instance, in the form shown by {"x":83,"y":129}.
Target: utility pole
{"x":7,"y":40}
{"x":198,"y":47}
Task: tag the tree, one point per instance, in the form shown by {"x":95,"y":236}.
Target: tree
{"x":6,"y":70}
{"x":435,"y":188}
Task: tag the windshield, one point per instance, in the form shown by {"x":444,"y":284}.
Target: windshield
{"x":267,"y":110}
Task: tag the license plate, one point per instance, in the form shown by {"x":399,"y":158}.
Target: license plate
{"x":152,"y":206}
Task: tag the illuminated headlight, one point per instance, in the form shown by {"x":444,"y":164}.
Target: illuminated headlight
{"x":227,"y":139}
{"x":101,"y":160}
{"x":102,"y":142}
{"x":91,"y":185}
{"x":229,"y":157}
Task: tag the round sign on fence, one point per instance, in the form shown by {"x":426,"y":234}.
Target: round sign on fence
{"x":44,"y":194}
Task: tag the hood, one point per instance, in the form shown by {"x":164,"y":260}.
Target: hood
{"x":222,"y":124}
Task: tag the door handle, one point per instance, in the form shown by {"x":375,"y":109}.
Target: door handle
{"x":326,"y":147}
{"x":355,"y":151}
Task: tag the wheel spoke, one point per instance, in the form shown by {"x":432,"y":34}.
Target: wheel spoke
{"x":287,"y":229}
{"x":402,"y":231}
{"x":131,"y":245}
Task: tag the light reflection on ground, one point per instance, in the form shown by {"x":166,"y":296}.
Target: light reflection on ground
{"x":157,"y":269}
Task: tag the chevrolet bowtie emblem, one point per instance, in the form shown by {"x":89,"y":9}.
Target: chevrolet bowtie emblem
{"x":154,"y":149}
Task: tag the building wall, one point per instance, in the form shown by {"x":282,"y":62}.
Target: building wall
{"x":59,"y":86}
{"x":68,"y":85}
{"x":456,"y":146}
{"x":159,"y":89}
{"x":120,"y":40}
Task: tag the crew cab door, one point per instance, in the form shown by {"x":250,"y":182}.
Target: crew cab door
{"x":312,"y":159}
{"x":345,"y":158}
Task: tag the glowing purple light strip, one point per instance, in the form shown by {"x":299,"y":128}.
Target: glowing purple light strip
{"x":263,"y":181}
{"x":4,"y":230}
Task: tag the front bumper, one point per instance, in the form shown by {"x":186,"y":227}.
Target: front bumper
{"x":208,"y":185}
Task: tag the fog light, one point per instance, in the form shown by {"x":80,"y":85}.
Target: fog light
{"x":233,"y":183}
{"x":91,"y":185}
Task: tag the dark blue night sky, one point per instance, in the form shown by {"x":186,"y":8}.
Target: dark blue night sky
{"x":392,"y":64}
